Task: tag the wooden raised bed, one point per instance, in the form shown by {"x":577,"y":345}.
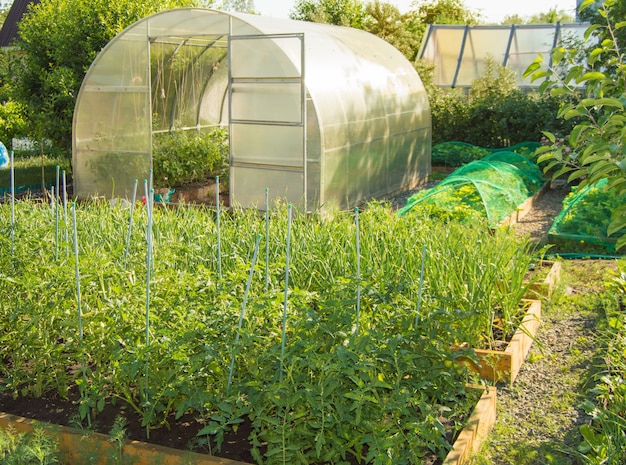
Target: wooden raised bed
{"x":544,"y":287}
{"x":478,"y":428}
{"x":504,"y":365}
{"x":78,"y":446}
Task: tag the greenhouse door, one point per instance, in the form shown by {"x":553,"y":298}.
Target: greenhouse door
{"x":266,"y":108}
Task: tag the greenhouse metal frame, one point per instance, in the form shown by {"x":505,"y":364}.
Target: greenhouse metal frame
{"x":318,"y":115}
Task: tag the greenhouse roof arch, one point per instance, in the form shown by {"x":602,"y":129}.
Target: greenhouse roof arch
{"x":317,"y":114}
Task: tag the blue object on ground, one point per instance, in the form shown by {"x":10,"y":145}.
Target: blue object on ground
{"x":4,"y":156}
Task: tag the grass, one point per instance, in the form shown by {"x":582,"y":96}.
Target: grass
{"x":28,"y":170}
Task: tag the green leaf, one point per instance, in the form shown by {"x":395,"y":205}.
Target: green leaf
{"x":535,"y":65}
{"x":558,"y":91}
{"x":576,"y":175}
{"x":540,"y":74}
{"x":594,"y":158}
{"x":551,"y":137}
{"x":618,"y":220}
{"x":574,"y":113}
{"x":594,"y":440}
{"x":591,"y":76}
{"x":574,"y":136}
{"x":607,"y":102}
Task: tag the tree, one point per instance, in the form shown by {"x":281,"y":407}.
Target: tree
{"x":385,"y":21}
{"x":243,"y":6}
{"x":59,"y":40}
{"x":552,"y":16}
{"x":513,"y":19}
{"x":596,"y":88}
{"x":445,"y":12}
{"x":338,"y":12}
{"x":599,"y":12}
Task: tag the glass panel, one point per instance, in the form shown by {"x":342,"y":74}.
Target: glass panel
{"x":279,"y":101}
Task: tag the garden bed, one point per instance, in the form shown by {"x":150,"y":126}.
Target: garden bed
{"x":504,"y":365}
{"x":76,"y":446}
{"x":310,"y":367}
{"x":549,"y":275}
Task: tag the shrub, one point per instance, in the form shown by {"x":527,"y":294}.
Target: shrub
{"x":494,"y":113}
{"x":186,"y":157}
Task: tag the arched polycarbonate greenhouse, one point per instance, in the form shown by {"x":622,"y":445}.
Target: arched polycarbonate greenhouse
{"x":317,"y":114}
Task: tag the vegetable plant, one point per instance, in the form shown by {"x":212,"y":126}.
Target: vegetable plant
{"x":379,"y":395}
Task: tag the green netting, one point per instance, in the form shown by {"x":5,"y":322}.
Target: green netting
{"x":531,"y":174}
{"x":455,"y":153}
{"x":585,"y":217}
{"x":493,"y":188}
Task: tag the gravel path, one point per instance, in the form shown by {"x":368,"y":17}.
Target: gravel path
{"x":537,"y":221}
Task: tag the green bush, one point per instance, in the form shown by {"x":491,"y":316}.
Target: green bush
{"x":187,"y":157}
{"x":494,"y":113}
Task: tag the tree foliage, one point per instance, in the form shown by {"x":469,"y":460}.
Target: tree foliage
{"x":552,"y":16}
{"x":445,"y":12}
{"x":59,"y":40}
{"x":403,"y":31}
{"x":597,"y":91}
{"x":338,"y":12}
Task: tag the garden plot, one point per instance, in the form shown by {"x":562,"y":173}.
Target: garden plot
{"x":306,"y":330}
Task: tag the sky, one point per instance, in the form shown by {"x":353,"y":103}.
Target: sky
{"x":492,"y":11}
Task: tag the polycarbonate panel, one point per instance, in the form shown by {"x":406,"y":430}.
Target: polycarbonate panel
{"x":111,"y":131}
{"x":271,"y":101}
{"x":111,"y":174}
{"x":213,"y":106}
{"x":265,"y":58}
{"x":444,"y":47}
{"x":336,"y":179}
{"x":271,"y":145}
{"x":185,"y":22}
{"x":527,"y":44}
{"x":284,"y":185}
{"x":119,"y":117}
{"x":480,"y":45}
